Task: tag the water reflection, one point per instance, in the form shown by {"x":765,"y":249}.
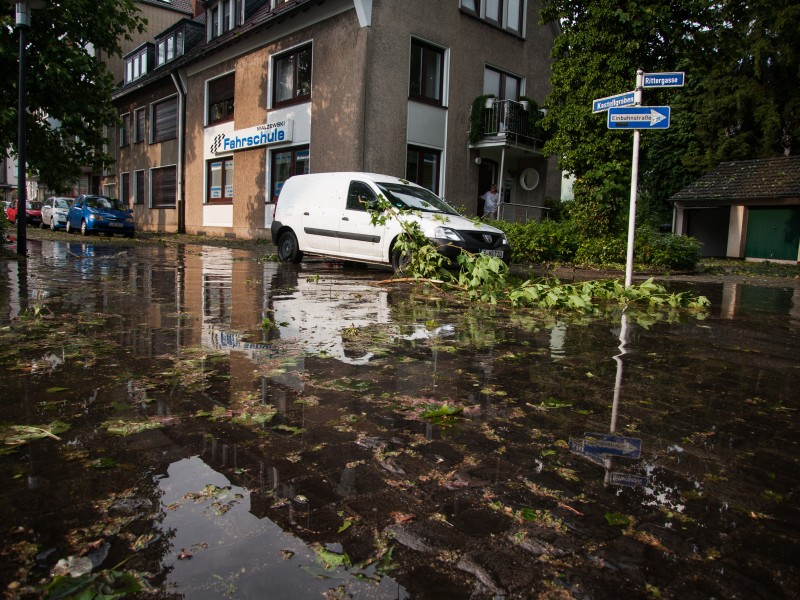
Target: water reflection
{"x":353,"y":383}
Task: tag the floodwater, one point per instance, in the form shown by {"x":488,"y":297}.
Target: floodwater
{"x":227,"y":427}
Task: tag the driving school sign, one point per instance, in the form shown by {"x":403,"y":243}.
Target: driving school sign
{"x":253,"y":137}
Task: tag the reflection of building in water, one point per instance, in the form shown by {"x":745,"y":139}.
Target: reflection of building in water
{"x":737,"y":297}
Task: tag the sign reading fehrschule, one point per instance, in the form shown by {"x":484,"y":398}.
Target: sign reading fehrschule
{"x":252,"y":137}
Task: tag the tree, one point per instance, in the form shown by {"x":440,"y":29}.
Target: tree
{"x":742,"y":98}
{"x":68,"y":86}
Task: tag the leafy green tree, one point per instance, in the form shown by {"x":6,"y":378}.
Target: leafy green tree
{"x":68,"y":86}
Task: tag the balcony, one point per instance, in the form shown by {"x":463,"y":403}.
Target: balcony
{"x":506,"y":123}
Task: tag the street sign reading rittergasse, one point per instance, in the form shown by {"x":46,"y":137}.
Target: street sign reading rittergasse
{"x":662,"y":80}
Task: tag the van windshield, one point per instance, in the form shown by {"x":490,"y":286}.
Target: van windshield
{"x":414,"y":198}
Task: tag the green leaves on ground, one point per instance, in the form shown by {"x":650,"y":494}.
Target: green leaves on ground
{"x":13,"y":436}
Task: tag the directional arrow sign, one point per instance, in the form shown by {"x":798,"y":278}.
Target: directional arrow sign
{"x":613,"y":445}
{"x":639,"y":117}
{"x":662,"y":80}
{"x":627,"y":479}
{"x":576,"y":447}
{"x":603,"y":104}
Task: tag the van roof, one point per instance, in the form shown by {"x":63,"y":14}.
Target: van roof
{"x":375,"y":177}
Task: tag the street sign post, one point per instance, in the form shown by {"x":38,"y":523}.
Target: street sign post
{"x":627,"y":479}
{"x":603,"y":104}
{"x":662,"y":80}
{"x":639,"y":117}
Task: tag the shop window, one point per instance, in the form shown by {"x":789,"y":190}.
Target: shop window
{"x":220,"y":180}
{"x":422,"y":167}
{"x":285,"y":163}
{"x":292,"y":79}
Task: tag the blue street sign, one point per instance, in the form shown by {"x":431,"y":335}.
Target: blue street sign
{"x":603,"y":104}
{"x":639,"y":117}
{"x":576,"y":447}
{"x":613,"y":445}
{"x":627,"y":479}
{"x":662,"y":80}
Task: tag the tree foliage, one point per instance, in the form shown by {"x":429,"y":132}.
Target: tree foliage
{"x":68,"y":86}
{"x":741,"y":101}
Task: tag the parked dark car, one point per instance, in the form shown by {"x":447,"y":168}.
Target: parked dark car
{"x":91,"y":213}
{"x":33,"y":212}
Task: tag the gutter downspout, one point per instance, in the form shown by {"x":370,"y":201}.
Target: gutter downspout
{"x":180,"y":86}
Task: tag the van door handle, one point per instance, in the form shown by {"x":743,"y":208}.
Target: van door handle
{"x":305,"y":214}
{"x":345,"y":219}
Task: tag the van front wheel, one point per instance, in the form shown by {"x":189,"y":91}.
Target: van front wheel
{"x":288,"y":250}
{"x":400,"y":262}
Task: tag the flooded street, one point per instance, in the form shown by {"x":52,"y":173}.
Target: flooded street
{"x":223,"y":426}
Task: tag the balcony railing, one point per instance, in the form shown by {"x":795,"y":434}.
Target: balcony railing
{"x":510,"y":120}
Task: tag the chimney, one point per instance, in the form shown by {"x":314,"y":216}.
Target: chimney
{"x":198,"y":8}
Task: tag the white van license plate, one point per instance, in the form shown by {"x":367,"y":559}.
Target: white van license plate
{"x":497,"y":253}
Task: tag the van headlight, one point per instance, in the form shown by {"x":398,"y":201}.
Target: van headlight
{"x":446,"y":233}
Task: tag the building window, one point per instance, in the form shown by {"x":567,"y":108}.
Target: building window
{"x":226,"y":15}
{"x":508,"y":14}
{"x":427,"y":72}
{"x":220,"y":180}
{"x":503,"y":85}
{"x":292,"y":80}
{"x":125,"y":130}
{"x":170,"y":47}
{"x":125,"y":188}
{"x":138,"y":187}
{"x":138,"y":125}
{"x":164,"y":120}
{"x":136,"y":65}
{"x":164,"y":186}
{"x":220,"y":99}
{"x":285,"y":163}
{"x":422,"y":167}
{"x":214,"y":23}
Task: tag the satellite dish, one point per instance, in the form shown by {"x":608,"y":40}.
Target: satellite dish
{"x":529,"y":179}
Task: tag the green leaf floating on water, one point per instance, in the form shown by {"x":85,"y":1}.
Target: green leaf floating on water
{"x":445,"y":410}
{"x":331,"y":559}
{"x":617,"y":519}
{"x":16,"y":435}
{"x":120,"y":427}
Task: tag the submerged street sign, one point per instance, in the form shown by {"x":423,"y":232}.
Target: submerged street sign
{"x":613,"y":445}
{"x":603,"y":104}
{"x":639,"y":117}
{"x":662,"y":80}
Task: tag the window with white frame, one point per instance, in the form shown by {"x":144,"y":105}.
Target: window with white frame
{"x":224,"y":16}
{"x":507,"y":14}
{"x":138,"y":187}
{"x":136,"y":65}
{"x":163,"y":186}
{"x":504,"y":86}
{"x":164,"y":120}
{"x":138,"y":125}
{"x":427,"y":72}
{"x":170,"y":47}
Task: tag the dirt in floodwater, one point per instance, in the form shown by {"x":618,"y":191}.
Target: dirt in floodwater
{"x":211,"y":425}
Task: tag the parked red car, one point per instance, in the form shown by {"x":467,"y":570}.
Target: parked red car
{"x":33,"y":212}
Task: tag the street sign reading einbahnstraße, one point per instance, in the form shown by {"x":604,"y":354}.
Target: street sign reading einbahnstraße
{"x":639,"y":117}
{"x":603,"y":104}
{"x":662,"y":80}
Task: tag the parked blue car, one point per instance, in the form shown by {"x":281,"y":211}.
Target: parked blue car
{"x":99,"y":214}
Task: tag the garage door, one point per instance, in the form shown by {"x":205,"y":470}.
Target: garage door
{"x":773,"y":233}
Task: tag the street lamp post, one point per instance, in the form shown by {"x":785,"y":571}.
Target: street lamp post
{"x":23,"y":22}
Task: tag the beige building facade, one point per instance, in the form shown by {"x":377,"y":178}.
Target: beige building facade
{"x":276,"y":88}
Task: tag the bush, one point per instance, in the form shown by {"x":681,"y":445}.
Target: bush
{"x":562,"y":242}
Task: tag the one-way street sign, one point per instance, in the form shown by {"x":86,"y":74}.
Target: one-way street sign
{"x":603,"y":104}
{"x":604,"y":443}
{"x":639,"y":117}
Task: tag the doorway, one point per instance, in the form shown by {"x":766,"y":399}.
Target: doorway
{"x":487,"y":175}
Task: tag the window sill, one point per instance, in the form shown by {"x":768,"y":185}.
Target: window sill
{"x":293,"y":102}
{"x":427,"y":102}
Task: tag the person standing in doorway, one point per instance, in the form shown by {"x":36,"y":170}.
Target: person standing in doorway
{"x":490,"y":201}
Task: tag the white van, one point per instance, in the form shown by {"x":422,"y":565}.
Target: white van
{"x":326,"y":214}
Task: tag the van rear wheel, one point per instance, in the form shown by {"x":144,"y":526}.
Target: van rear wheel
{"x":288,"y":250}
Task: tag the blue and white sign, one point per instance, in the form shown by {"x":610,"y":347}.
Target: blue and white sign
{"x":612,"y":445}
{"x":577,"y":447}
{"x":663,"y":80}
{"x":627,"y":479}
{"x":639,"y":117}
{"x":603,"y":104}
{"x":253,"y":137}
